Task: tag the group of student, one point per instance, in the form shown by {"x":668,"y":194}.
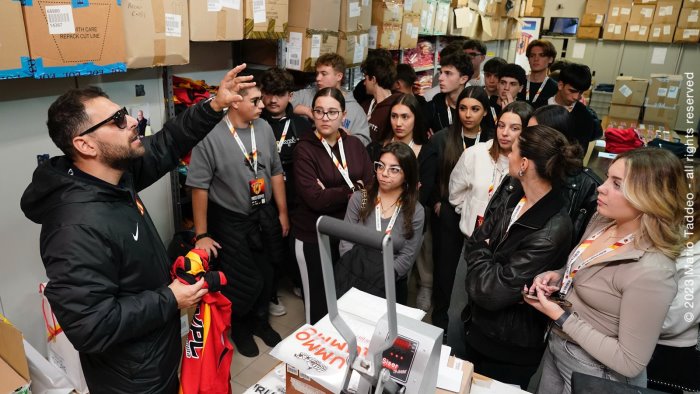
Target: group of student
{"x":481,"y":185}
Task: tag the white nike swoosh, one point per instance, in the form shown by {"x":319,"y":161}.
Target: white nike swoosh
{"x":136,"y":236}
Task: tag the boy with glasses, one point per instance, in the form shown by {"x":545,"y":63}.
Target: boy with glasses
{"x":240,"y":214}
{"x":539,"y":87}
{"x":477,"y":51}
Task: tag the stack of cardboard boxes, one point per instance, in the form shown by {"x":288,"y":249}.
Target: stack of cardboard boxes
{"x":627,"y":99}
{"x":411,"y":23}
{"x":266,"y":19}
{"x":661,"y":104}
{"x":592,"y":19}
{"x":353,"y":37}
{"x":640,"y":22}
{"x":313,"y":31}
{"x":387,"y":17}
{"x":216,"y":20}
{"x":619,"y":14}
{"x":688,"y":29}
{"x":533,"y":8}
{"x":665,"y":19}
{"x":486,"y":20}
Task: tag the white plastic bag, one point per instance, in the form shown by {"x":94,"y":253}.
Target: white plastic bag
{"x":46,"y":377}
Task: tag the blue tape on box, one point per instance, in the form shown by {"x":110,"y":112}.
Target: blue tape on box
{"x":82,"y":69}
{"x":24,"y":72}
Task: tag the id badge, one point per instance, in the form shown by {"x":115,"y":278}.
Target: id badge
{"x":479,"y":221}
{"x":257,"y":192}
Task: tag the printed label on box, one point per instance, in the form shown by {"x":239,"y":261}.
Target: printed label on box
{"x":673,"y":92}
{"x":232,"y":4}
{"x":687,"y":33}
{"x":618,"y":29}
{"x":598,"y":19}
{"x":667,"y":30}
{"x":365,"y":3}
{"x":662,"y":92}
{"x":643,"y":30}
{"x":611,"y":28}
{"x":354,"y":9}
{"x":656,"y":32}
{"x":372,"y":37}
{"x":647,"y":12}
{"x":634,"y":28}
{"x":615,"y":11}
{"x":693,"y":17}
{"x":625,"y":11}
{"x":259,"y":14}
{"x":173,"y":25}
{"x":214,"y":5}
{"x":315,"y":45}
{"x":393,"y":38}
{"x":60,"y":19}
{"x":396,"y":12}
{"x":414,"y":33}
{"x":408,"y":5}
{"x":666,"y":11}
{"x":360,"y":44}
{"x":293,"y":59}
{"x":625,"y":90}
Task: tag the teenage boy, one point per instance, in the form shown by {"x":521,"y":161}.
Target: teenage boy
{"x":455,"y":70}
{"x":330,"y":71}
{"x":539,"y":87}
{"x":453,"y":47}
{"x":491,"y":68}
{"x":584,"y":127}
{"x":511,"y":80}
{"x":237,"y":179}
{"x":477,"y":50}
{"x":380,"y":75}
{"x":276,"y":85}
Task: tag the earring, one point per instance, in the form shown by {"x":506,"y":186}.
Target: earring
{"x":521,"y":173}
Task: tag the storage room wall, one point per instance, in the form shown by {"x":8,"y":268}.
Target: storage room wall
{"x":23,"y":135}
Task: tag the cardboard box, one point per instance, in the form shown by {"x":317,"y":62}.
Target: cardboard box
{"x":304,"y":46}
{"x":387,"y":36}
{"x":661,"y":116}
{"x":515,"y":29}
{"x":686,"y":35}
{"x":592,"y":20}
{"x":427,"y":16}
{"x":81,"y":40}
{"x":661,"y":32}
{"x":442,"y":16}
{"x":416,"y":6}
{"x":355,"y":15}
{"x":14,"y":369}
{"x":467,"y":373}
{"x":615,"y":31}
{"x":619,"y":11}
{"x":215,"y":21}
{"x":588,"y":33}
{"x":630,"y":112}
{"x":510,"y":9}
{"x":694,"y":4}
{"x":387,"y":12}
{"x":459,"y":3}
{"x":689,"y":18}
{"x":315,"y":14}
{"x":596,"y":7}
{"x":489,"y":28}
{"x":464,"y":22}
{"x":266,"y":19}
{"x":667,"y":11}
{"x":642,"y":14}
{"x":409,"y":31}
{"x":353,"y":46}
{"x":14,"y":57}
{"x":645,"y":2}
{"x":629,"y":91}
{"x":533,"y":11}
{"x":157,"y":33}
{"x":485,"y":7}
{"x":297,"y":382}
{"x":639,"y":33}
{"x":664,"y":90}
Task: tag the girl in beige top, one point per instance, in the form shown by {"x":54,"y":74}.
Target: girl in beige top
{"x":620,"y":279}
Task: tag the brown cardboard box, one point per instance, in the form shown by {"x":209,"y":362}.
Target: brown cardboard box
{"x":14,"y":369}
{"x":489,"y":28}
{"x":614,"y":31}
{"x":694,"y":4}
{"x":353,"y":46}
{"x":442,"y":16}
{"x":619,"y":12}
{"x":592,"y":20}
{"x":661,"y":116}
{"x":689,"y":18}
{"x":667,"y":11}
{"x":304,"y":46}
{"x":459,"y":3}
{"x":387,"y":11}
{"x":315,"y":14}
{"x":686,"y":35}
{"x":299,"y":383}
{"x":14,"y":56}
{"x":355,"y":15}
{"x":596,"y":7}
{"x":515,"y":29}
{"x":508,"y":9}
{"x":638,"y":33}
{"x":531,"y":8}
{"x":618,"y":111}
{"x":388,"y":36}
{"x":409,"y":31}
{"x":629,"y":91}
{"x":588,"y":33}
{"x":533,"y":11}
{"x":157,"y":33}
{"x":271,"y":17}
{"x":647,"y":2}
{"x":467,"y":373}
{"x":415,"y":6}
{"x":85,"y":40}
{"x":427,"y":16}
{"x":663,"y":90}
{"x":210,"y":21}
{"x":464,"y":22}
{"x":661,"y":32}
{"x":642,"y":14}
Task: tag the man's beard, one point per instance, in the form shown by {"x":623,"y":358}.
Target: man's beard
{"x":119,"y":157}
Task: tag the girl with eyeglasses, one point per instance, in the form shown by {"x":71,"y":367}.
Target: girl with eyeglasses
{"x":391,"y":206}
{"x":329,"y":165}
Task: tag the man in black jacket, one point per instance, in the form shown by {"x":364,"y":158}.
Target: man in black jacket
{"x":109,"y":274}
{"x":455,"y":71}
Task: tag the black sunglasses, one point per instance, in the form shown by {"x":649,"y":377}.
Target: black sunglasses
{"x":119,"y":119}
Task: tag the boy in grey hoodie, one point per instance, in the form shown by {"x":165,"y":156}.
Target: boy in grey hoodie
{"x":330,"y":70}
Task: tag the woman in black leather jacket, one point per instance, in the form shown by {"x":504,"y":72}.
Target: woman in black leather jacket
{"x":530,"y":233}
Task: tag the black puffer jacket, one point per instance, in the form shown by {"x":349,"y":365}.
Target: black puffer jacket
{"x":107,"y":267}
{"x":500,"y":263}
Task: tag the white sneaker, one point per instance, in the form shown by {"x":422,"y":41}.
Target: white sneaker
{"x":277,"y":309}
{"x":297,"y":292}
{"x":423,"y":298}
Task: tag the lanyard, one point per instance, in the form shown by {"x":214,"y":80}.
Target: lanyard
{"x":537,"y":94}
{"x":372,"y":106}
{"x":571,"y":271}
{"x":449,"y":112}
{"x":284,"y":135}
{"x":341,"y":165}
{"x":254,"y":162}
{"x":378,"y":217}
{"x":410,"y":143}
{"x":476,"y":139}
{"x":494,"y":181}
{"x":495,"y":118}
{"x":516,"y":212}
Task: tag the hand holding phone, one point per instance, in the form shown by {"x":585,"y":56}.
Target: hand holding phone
{"x":555,"y":299}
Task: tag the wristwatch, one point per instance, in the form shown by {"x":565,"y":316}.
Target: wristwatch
{"x":202,"y":235}
{"x":562,"y":319}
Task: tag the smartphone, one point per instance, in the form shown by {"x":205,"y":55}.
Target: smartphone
{"x":557,"y":300}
